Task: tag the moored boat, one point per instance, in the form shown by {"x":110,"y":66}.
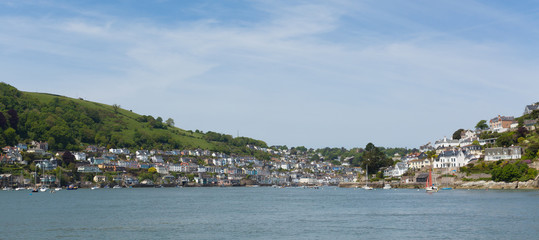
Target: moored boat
{"x":366,"y":187}
{"x":429,"y":186}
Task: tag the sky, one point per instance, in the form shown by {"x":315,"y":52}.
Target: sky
{"x":296,"y":73}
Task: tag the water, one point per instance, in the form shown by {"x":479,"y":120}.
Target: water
{"x":269,"y":213}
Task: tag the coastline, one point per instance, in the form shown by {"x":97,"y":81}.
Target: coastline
{"x":529,"y":185}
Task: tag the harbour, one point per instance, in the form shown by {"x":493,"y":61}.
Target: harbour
{"x":270,"y":213}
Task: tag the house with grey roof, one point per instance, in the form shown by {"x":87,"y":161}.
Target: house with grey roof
{"x":453,"y":159}
{"x":501,"y":153}
{"x":445,"y":142}
{"x":530,"y":108}
{"x":501,"y":123}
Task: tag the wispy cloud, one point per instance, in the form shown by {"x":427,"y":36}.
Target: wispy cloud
{"x":308,"y":73}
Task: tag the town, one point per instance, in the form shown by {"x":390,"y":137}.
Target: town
{"x":29,"y":165}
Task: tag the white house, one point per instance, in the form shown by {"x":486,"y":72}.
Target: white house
{"x":444,"y":143}
{"x":453,"y":159}
{"x":499,"y":153}
{"x":157,"y":159}
{"x":530,"y":108}
{"x":88,"y":169}
{"x":80,"y":156}
{"x":175,"y":168}
{"x":161,"y":169}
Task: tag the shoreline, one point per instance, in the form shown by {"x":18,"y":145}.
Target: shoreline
{"x":529,"y":185}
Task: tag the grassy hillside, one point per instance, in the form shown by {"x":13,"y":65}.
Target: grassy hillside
{"x":70,"y":124}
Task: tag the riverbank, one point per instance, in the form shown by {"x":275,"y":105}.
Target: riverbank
{"x":531,"y":184}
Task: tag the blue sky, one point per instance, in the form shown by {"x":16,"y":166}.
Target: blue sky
{"x":312,"y":73}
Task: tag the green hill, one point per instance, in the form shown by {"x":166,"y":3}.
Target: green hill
{"x":71,"y":124}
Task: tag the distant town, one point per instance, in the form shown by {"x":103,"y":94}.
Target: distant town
{"x":451,"y":158}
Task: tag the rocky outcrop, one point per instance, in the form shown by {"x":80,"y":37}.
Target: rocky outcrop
{"x":532,"y":184}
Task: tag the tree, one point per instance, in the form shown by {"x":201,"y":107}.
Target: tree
{"x":521,"y":132}
{"x":68,"y":158}
{"x":116,"y":107}
{"x":374,"y":158}
{"x":481,"y":125}
{"x":13,"y":118}
{"x":456,"y":134}
{"x":170,"y":122}
{"x":10,"y":136}
{"x":505,"y":140}
{"x":3,"y":121}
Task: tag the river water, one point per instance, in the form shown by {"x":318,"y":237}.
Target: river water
{"x":269,"y":213}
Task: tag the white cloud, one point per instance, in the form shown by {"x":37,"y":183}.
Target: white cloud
{"x":284,"y":79}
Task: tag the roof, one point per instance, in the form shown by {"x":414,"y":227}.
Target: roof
{"x":448,"y":153}
{"x":502,"y":118}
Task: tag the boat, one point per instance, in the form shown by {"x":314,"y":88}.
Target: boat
{"x":35,"y":182}
{"x":117,"y":187}
{"x":94,"y":187}
{"x":43,"y":188}
{"x":429,"y":186}
{"x":387,"y":186}
{"x":446,"y":185}
{"x":72,"y":187}
{"x":58,"y":189}
{"x":366,"y":187}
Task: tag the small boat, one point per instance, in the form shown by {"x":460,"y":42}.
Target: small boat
{"x":20,"y":188}
{"x":43,"y":189}
{"x":72,"y":187}
{"x":387,"y":186}
{"x":5,"y":189}
{"x":366,"y":187}
{"x":429,"y":186}
{"x":117,"y":187}
{"x":447,"y":188}
{"x":58,"y":189}
{"x":94,"y":187}
{"x":34,"y":190}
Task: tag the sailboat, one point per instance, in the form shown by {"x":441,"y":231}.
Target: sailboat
{"x":429,"y":186}
{"x":21,"y":183}
{"x":35,"y":182}
{"x":366,"y":187}
{"x":59,"y":187}
{"x":43,"y":188}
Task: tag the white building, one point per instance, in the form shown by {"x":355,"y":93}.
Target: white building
{"x":499,"y":153}
{"x":453,"y":159}
{"x":444,"y":143}
{"x":161,"y":169}
{"x":79,"y":156}
{"x":157,"y":159}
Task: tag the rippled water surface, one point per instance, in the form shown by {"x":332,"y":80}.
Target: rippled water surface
{"x":269,"y":213}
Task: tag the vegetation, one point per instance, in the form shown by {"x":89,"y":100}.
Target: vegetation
{"x":509,"y":172}
{"x":506,"y":171}
{"x":71,"y":124}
